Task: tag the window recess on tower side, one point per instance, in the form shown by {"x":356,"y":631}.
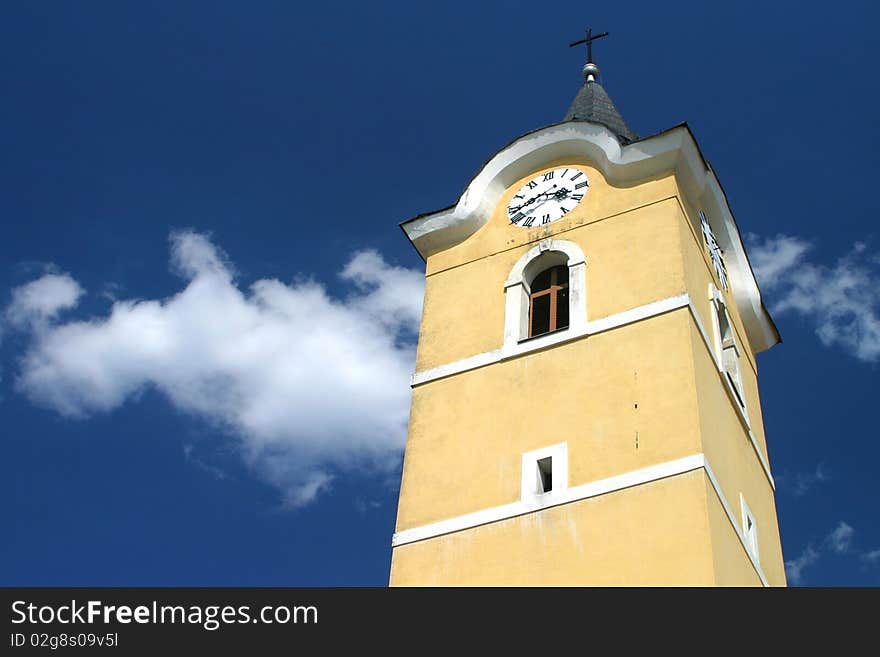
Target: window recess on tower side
{"x":727,"y":351}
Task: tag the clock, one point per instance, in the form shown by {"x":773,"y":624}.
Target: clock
{"x":715,"y":252}
{"x":547,"y":197}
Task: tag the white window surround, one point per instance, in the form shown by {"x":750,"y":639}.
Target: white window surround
{"x":530,"y":488}
{"x":727,"y":355}
{"x":547,"y":253}
{"x":749,"y":529}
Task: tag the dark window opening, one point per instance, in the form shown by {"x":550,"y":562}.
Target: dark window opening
{"x":540,"y":315}
{"x":548,"y":302}
{"x":730,"y":354}
{"x":545,"y":475}
{"x":562,"y":309}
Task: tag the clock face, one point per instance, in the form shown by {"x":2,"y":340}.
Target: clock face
{"x":547,"y":197}
{"x":715,"y":252}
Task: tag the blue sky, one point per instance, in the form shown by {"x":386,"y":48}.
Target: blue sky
{"x":190,"y":188}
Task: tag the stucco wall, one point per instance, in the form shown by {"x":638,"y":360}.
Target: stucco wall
{"x":657,"y":534}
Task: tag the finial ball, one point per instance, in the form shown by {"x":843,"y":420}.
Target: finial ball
{"x":590,"y":71}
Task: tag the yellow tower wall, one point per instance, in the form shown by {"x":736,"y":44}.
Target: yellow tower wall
{"x":623,"y":400}
{"x":733,"y":456}
{"x":731,"y":566}
{"x":637,"y":395}
{"x":463,"y":312}
{"x":597,"y":542}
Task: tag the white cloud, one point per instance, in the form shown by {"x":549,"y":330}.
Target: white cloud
{"x":38,"y":302}
{"x":388,"y":304}
{"x":840,"y":537}
{"x":838,"y":540}
{"x":842,"y":302}
{"x":803,"y":482}
{"x":794,"y":568}
{"x":872,"y":556}
{"x":774,"y":258}
{"x":309,"y":384}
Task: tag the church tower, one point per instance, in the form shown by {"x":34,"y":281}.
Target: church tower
{"x":585,"y":405}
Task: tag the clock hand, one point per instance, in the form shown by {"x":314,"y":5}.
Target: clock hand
{"x":522,"y":205}
{"x":559,"y":195}
{"x":533,"y":199}
{"x":562,"y":193}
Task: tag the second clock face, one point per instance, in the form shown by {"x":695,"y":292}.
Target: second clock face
{"x":547,"y":197}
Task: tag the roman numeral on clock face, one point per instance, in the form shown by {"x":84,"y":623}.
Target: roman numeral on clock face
{"x":539,"y":202}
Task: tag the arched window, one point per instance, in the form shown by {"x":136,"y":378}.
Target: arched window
{"x":537,"y":299}
{"x":548,"y":301}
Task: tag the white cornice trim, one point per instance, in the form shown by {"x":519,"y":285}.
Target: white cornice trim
{"x":554,"y":498}
{"x":434,"y":232}
{"x":456,"y":367}
{"x":576,"y":493}
{"x":673,"y":150}
{"x":558,"y":337}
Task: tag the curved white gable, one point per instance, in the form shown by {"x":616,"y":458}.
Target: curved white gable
{"x":675,"y":149}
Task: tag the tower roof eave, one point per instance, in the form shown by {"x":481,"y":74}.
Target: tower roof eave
{"x":673,"y":149}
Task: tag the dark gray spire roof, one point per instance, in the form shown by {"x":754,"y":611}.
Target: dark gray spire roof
{"x":593,"y":104}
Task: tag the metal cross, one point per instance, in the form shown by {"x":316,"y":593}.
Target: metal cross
{"x":589,"y":41}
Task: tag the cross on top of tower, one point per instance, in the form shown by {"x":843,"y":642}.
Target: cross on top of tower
{"x":591,"y":71}
{"x":589,"y":41}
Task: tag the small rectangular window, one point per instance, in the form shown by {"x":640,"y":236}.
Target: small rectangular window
{"x":544,"y":475}
{"x":750,"y":529}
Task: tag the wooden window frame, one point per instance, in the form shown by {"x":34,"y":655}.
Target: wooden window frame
{"x":554,"y":291}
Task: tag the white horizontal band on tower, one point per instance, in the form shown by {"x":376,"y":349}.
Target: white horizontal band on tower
{"x":576,"y":493}
{"x":593,"y":327}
